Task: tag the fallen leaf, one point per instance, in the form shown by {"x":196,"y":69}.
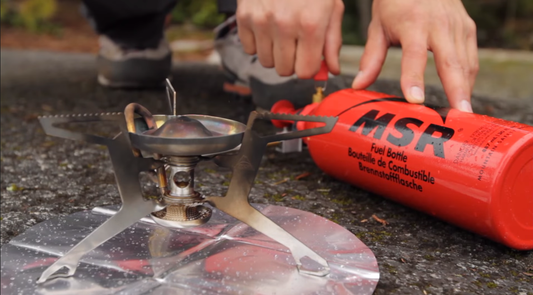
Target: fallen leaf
{"x":425,"y":293}
{"x":528,"y":274}
{"x":281,"y":181}
{"x":364,"y":220}
{"x":403,"y":260}
{"x":273,"y":143}
{"x":47,"y":108}
{"x":303,"y":175}
{"x":284,"y":194}
{"x":48,"y":143}
{"x":382,"y":221}
{"x":30,"y":117}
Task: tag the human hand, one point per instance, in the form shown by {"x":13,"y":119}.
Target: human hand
{"x":292,"y":36}
{"x":441,"y":26}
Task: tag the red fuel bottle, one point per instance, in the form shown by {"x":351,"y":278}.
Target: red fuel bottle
{"x":470,"y":170}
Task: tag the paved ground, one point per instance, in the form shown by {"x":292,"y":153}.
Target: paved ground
{"x":44,"y":177}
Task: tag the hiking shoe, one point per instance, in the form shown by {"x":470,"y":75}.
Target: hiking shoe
{"x":247,"y":77}
{"x":133,"y":68}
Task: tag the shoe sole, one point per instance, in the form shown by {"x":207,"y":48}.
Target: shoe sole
{"x":233,"y":84}
{"x":134,"y":73}
{"x":103,"y":81}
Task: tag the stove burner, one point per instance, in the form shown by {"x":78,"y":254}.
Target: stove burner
{"x":181,"y":127}
{"x":169,"y":147}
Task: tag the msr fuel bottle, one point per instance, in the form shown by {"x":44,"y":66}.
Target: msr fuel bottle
{"x":470,"y":170}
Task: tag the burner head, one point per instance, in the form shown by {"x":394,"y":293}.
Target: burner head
{"x":186,"y":135}
{"x":181,"y":127}
{"x":180,"y":216}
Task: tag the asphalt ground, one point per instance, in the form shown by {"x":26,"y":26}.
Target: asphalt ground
{"x":46,"y":177}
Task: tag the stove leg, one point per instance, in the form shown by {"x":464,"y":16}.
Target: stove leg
{"x":245,"y":165}
{"x":134,"y":207}
{"x":243,"y":211}
{"x":113,"y":226}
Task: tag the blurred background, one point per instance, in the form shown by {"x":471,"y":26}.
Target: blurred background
{"x":505,"y":36}
{"x":501,"y":23}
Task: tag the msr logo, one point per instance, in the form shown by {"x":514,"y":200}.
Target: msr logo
{"x":434,"y":135}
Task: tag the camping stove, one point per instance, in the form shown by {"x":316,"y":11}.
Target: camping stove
{"x":168,"y":148}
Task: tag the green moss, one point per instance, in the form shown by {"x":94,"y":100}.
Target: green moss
{"x":485,"y":275}
{"x":324,"y":191}
{"x":225,"y":183}
{"x":274,"y":197}
{"x":477,"y":283}
{"x":391,"y":269}
{"x":429,"y":257}
{"x":492,"y":285}
{"x":335,"y":217}
{"x":209,"y":170}
{"x":14,"y":188}
{"x":277,"y":197}
{"x":258,"y":182}
{"x":63,"y":164}
{"x":299,"y":198}
{"x":343,"y":201}
{"x":514,"y":290}
{"x":373,"y":236}
{"x":272,"y":176}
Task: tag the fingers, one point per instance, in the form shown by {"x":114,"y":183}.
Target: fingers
{"x":285,"y":48}
{"x":333,"y":41}
{"x":291,"y":36}
{"x":414,"y":60}
{"x":451,"y":67}
{"x":246,"y":34}
{"x":255,"y":36}
{"x":373,"y":57}
{"x":309,"y":48}
{"x":472,"y":54}
{"x":263,"y":41}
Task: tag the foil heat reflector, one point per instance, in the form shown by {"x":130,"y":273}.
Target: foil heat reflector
{"x":223,"y":256}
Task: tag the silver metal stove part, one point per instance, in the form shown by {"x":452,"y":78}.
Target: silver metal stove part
{"x":185,"y":205}
{"x":171,"y":94}
{"x":245,"y":162}
{"x":126,"y":167}
{"x":291,"y":145}
{"x":245,"y":165}
{"x":229,"y":132}
{"x":223,"y":257}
